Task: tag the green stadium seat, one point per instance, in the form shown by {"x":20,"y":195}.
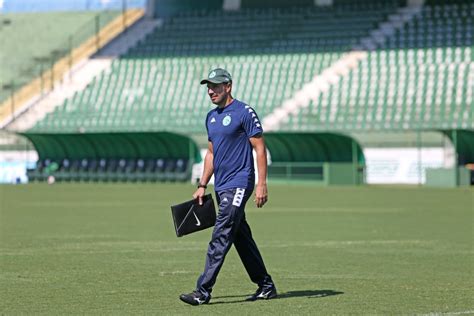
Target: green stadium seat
{"x":421,"y":78}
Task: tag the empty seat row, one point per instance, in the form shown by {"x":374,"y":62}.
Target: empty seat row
{"x":166,"y":95}
{"x":86,"y":169}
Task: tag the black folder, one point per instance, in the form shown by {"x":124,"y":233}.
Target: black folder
{"x":190,"y":217}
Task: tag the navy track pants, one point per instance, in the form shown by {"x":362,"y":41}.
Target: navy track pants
{"x":232,"y":228}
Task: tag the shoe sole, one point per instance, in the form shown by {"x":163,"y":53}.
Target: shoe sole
{"x":272,"y":296}
{"x":192,"y":303}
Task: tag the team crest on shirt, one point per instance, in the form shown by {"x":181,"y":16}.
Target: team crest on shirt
{"x":226,"y":121}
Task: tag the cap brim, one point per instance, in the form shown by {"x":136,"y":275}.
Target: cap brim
{"x":215,"y":81}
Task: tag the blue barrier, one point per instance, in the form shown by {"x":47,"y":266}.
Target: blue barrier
{"x":10,"y":6}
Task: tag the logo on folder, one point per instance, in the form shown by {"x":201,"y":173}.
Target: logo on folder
{"x":198,"y":222}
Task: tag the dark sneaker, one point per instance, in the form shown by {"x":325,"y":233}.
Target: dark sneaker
{"x":195,"y":298}
{"x":264,"y":293}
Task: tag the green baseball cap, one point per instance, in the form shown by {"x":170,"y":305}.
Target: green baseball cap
{"x":217,"y":75}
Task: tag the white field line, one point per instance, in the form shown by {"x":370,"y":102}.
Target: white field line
{"x":448,"y":313}
{"x":166,"y":273}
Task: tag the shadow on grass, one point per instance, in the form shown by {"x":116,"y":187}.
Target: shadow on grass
{"x":289,"y":294}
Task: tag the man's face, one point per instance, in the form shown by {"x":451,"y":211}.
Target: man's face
{"x":218,"y":92}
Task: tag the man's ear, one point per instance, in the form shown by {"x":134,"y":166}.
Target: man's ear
{"x":228,"y":87}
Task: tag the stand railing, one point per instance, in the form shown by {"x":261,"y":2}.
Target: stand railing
{"x":48,"y":71}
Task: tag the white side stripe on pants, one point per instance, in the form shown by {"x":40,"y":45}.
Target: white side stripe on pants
{"x":238,"y":197}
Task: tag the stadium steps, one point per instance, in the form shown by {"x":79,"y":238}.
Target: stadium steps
{"x":341,"y":68}
{"x":30,"y":94}
{"x":312,"y":89}
{"x":129,"y":38}
{"x":387,"y":29}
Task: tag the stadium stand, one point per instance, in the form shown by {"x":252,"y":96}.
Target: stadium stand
{"x":151,"y":94}
{"x":61,"y":64}
{"x":280,"y":30}
{"x":28,"y":37}
{"x":422,"y":77}
{"x":154,"y":87}
{"x":415,"y":74}
{"x":447,"y":25}
{"x":147,"y":89}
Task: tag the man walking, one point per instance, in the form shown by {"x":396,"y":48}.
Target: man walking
{"x":233,"y":129}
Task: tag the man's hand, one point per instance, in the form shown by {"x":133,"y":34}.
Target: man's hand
{"x":200,"y":192}
{"x":261,"y":195}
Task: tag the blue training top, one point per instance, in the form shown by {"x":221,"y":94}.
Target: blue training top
{"x":229,"y":130}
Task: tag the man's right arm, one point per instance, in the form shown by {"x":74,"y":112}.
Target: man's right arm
{"x":206,"y":174}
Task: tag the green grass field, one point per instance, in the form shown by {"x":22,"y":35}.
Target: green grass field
{"x":111,"y":249}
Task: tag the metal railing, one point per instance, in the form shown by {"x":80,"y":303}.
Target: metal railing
{"x":44,"y":67}
{"x":323,"y":173}
{"x":296,"y":171}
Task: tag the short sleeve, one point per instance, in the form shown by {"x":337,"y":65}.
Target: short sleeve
{"x":207,"y":128}
{"x":251,"y":122}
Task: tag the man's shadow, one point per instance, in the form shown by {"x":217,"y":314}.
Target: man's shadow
{"x":289,"y":294}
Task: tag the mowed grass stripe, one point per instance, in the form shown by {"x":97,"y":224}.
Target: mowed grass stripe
{"x":111,"y":249}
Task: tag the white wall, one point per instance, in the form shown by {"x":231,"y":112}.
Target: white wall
{"x":13,"y":165}
{"x":402,"y":165}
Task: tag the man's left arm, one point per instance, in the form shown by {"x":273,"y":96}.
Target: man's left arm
{"x":261,"y":193}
